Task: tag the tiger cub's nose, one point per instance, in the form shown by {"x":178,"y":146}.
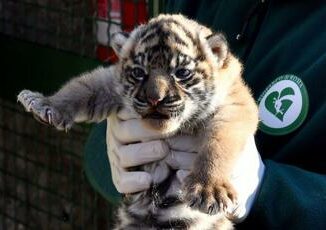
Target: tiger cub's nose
{"x":153,"y":101}
{"x":155,"y":90}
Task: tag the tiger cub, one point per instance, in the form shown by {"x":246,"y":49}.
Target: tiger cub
{"x":180,"y":77}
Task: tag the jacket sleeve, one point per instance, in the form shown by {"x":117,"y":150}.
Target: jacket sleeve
{"x":289,"y":198}
{"x":97,"y":166}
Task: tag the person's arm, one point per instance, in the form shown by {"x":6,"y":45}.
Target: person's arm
{"x":289,"y":198}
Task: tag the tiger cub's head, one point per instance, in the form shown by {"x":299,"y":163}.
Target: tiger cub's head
{"x":173,"y":70}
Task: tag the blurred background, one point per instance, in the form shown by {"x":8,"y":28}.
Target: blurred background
{"x":44,"y":43}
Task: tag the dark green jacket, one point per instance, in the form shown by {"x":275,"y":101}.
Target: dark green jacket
{"x":278,"y":37}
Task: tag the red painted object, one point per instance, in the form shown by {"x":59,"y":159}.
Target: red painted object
{"x":128,"y":13}
{"x":102,"y":6}
{"x":106,"y":54}
{"x":133,"y":13}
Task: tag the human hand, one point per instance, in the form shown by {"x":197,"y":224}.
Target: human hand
{"x":125,"y":149}
{"x":246,"y":175}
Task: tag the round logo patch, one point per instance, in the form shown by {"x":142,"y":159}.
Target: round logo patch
{"x":283,"y":106}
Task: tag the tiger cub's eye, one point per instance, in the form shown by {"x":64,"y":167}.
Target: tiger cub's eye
{"x":138,"y":73}
{"x":183,"y":73}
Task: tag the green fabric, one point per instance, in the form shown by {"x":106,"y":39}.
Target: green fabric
{"x":289,"y":198}
{"x":96,"y":164}
{"x":282,"y":37}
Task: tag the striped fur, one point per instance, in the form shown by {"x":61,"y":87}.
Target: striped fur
{"x":181,"y":78}
{"x":163,"y":207}
{"x":161,"y":48}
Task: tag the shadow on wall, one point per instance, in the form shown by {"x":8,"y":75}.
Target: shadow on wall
{"x":42,"y":183}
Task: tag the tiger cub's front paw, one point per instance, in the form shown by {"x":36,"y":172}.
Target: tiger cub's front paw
{"x":209,"y":196}
{"x":43,"y":110}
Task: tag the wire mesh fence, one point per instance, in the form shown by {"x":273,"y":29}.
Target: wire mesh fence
{"x":42,"y":184}
{"x":79,"y":26}
{"x":61,"y":24}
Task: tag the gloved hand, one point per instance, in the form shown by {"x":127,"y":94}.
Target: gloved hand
{"x":125,"y":130}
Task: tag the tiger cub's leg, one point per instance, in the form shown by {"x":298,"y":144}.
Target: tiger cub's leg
{"x":89,"y":97}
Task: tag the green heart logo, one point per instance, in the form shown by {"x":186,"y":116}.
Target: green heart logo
{"x":278,"y":103}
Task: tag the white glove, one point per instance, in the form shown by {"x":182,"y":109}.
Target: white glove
{"x":124,"y":128}
{"x":246,"y":176}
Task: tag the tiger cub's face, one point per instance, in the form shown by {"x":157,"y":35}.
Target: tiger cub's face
{"x":168,"y":70}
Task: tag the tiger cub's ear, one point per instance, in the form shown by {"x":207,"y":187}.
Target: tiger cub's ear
{"x":219,"y":46}
{"x":118,"y":40}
